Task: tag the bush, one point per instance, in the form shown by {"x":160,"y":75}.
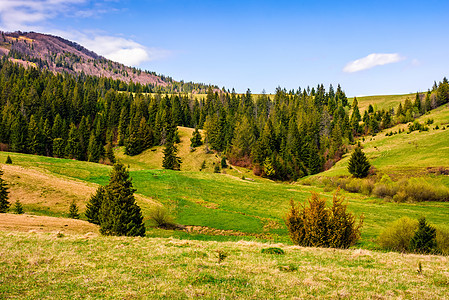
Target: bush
{"x":161,"y":217}
{"x":320,"y":226}
{"x":420,"y":190}
{"x":443,"y":241}
{"x":273,"y":250}
{"x":398,"y":234}
{"x":8,"y":160}
{"x":217,"y":168}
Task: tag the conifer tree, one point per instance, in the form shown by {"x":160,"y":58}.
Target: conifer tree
{"x":358,"y":163}
{"x":119,"y":213}
{"x":8,"y":160}
{"x":4,"y":203}
{"x":18,"y":208}
{"x":196,"y":140}
{"x":93,"y":151}
{"x":73,"y":211}
{"x":424,"y":240}
{"x":171,"y":161}
{"x":94,"y":204}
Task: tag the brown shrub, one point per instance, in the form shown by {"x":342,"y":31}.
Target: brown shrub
{"x":320,"y":226}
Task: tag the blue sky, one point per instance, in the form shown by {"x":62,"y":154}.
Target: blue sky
{"x":369,"y":47}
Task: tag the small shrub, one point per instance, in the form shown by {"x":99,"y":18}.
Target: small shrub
{"x":398,"y":234}
{"x":221,"y":255}
{"x":273,"y":250}
{"x":224,"y":165}
{"x":203,"y":165}
{"x":161,"y":217}
{"x":424,"y":239}
{"x":217,"y":169}
{"x":18,"y":208}
{"x":383,"y":190}
{"x":320,"y":226}
{"x":443,"y":241}
{"x":8,"y":160}
{"x":288,"y":268}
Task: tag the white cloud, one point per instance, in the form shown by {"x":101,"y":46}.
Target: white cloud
{"x":371,"y":61}
{"x":122,"y":50}
{"x":31,"y":15}
{"x":21,"y":14}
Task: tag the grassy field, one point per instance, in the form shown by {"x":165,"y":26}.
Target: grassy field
{"x":221,"y":206}
{"x":43,"y":266}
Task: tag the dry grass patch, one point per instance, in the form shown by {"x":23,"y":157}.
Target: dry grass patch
{"x":37,"y":188}
{"x":27,"y":223}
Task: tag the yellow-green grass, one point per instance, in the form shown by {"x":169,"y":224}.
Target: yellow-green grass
{"x":45,"y":266}
{"x":254,"y":209}
{"x":152,"y":158}
{"x":406,"y":154}
{"x":382,"y":102}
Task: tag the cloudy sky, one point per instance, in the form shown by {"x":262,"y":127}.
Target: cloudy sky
{"x":369,"y":47}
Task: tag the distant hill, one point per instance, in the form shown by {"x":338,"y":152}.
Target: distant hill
{"x":60,"y":55}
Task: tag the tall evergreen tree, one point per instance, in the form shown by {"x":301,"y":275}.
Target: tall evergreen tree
{"x":93,"y":206}
{"x":358,"y":163}
{"x":119,"y":212}
{"x":4,"y":203}
{"x":196,"y":140}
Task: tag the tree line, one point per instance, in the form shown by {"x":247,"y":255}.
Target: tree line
{"x":282,"y":136}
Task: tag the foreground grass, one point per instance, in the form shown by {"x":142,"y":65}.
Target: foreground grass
{"x":43,"y":266}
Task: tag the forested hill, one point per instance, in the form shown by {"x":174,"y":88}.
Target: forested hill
{"x":60,"y":55}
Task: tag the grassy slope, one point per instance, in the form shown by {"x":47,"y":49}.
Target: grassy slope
{"x":406,"y":153}
{"x":224,"y":201}
{"x":40,"y":266}
{"x":382,"y":102}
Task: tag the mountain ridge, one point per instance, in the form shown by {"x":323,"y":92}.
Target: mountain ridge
{"x":60,"y":55}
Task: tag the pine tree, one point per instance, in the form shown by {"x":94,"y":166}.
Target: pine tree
{"x":8,"y":160}
{"x":73,"y":211}
{"x":93,"y":151}
{"x":94,"y":204}
{"x":18,"y":208}
{"x":171,"y":161}
{"x":4,"y":203}
{"x":424,"y":240}
{"x":196,"y":141}
{"x":358,"y":163}
{"x":119,"y":213}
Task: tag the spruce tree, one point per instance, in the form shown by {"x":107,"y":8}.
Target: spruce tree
{"x":171,"y":161}
{"x":4,"y":203}
{"x":358,"y":163}
{"x":94,"y":204}
{"x":18,"y":208}
{"x":424,"y":240}
{"x":196,"y":140}
{"x":73,"y":211}
{"x":119,"y":212}
{"x":8,"y":160}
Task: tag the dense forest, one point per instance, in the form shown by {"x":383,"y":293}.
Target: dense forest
{"x":284,"y":137}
